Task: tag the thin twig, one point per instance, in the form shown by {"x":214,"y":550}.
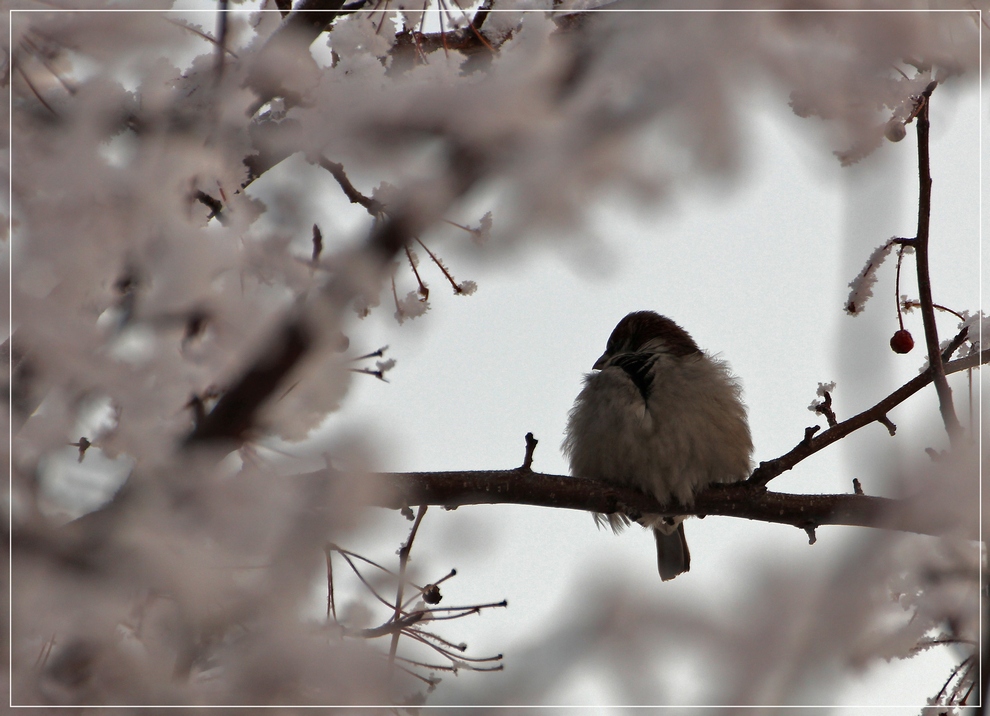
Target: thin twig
{"x":374,"y":207}
{"x":490,"y":605}
{"x":46,"y":650}
{"x":37,"y":94}
{"x":221,"y":39}
{"x":395,"y":297}
{"x":204,"y":35}
{"x":317,"y":243}
{"x":426,"y":680}
{"x":531,"y":443}
{"x":374,"y":354}
{"x":426,"y":665}
{"x":908,"y":305}
{"x":369,"y":371}
{"x":343,"y":551}
{"x":439,"y":263}
{"x":438,"y":639}
{"x":424,"y":290}
{"x":386,"y":570}
{"x":954,"y":344}
{"x":367,"y":584}
{"x":897,"y":287}
{"x":459,"y":615}
{"x":419,"y":636}
{"x":392,"y":626}
{"x":403,"y":562}
{"x":331,"y":606}
{"x":825,"y":408}
{"x":40,"y":57}
{"x":381,"y":22}
{"x":441,"y":10}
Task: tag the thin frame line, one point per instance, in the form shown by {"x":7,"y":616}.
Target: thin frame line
{"x":363,"y":10}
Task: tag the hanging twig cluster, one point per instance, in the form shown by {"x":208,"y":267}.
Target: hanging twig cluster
{"x":412,"y":608}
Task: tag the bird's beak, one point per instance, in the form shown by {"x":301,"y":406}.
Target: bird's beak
{"x":600,"y":363}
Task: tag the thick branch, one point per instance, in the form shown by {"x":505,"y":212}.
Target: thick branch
{"x":286,"y":52}
{"x":234,"y":414}
{"x":749,"y":500}
{"x":521,"y":487}
{"x":772,"y":468}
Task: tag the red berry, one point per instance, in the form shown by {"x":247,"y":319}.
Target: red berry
{"x":902,"y":342}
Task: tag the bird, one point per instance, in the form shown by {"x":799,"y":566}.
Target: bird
{"x":659,"y":414}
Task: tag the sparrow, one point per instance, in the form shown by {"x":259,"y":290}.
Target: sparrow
{"x":661,"y":415}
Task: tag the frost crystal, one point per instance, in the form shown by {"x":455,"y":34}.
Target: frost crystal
{"x":979,"y":328}
{"x":862,"y":285}
{"x":386,"y":194}
{"x":412,"y":306}
{"x":825,"y":388}
{"x":484,"y":230}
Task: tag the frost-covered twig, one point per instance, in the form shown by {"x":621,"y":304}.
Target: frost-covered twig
{"x":403,"y":622}
{"x":862,"y":285}
{"x":824,"y":407}
{"x":466,"y":288}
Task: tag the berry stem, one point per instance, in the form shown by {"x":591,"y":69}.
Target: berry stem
{"x":897,"y":286}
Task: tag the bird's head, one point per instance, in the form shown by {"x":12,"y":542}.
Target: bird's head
{"x":647,"y":331}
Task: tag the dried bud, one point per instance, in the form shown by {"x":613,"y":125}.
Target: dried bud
{"x":895,"y":131}
{"x":902,"y":342}
{"x":431,"y":594}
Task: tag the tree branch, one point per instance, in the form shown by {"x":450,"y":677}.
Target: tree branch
{"x":945,"y":406}
{"x":772,"y":468}
{"x":375,"y":208}
{"x":234,"y":414}
{"x":748,"y":500}
{"x":289,"y":45}
{"x":522,"y":487}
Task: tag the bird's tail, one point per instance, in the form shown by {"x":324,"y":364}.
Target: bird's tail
{"x":673,"y":557}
